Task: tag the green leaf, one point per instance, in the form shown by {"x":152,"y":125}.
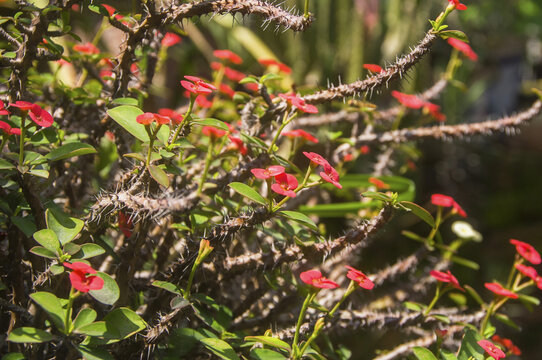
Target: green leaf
{"x":441,"y":318}
{"x":474,"y":294}
{"x":97,"y":328}
{"x":413,"y":306}
{"x":412,"y":236}
{"x":6,"y":165}
{"x":506,"y":320}
{"x":125,"y":116}
{"x":469,"y":348}
{"x":123,"y":322}
{"x":26,"y":225}
{"x":465,"y":262}
{"x":66,"y":228}
{"x":211,"y":122}
{"x":529,"y":299}
{"x":71,"y":248}
{"x":419,"y":212}
{"x":94,"y":353}
{"x":447,"y":355}
{"x":125,"y":101}
{"x":377,"y":195}
{"x":89,"y":250}
{"x":300,"y":217}
{"x":167,"y":286}
{"x":178,"y":302}
{"x":84,"y":317}
{"x":70,"y":150}
{"x":249,"y":80}
{"x":56,"y":269}
{"x":270,"y":341}
{"x":48,"y":239}
{"x":337,"y":210}
{"x":456,"y":34}
{"x":159,"y":175}
{"x":220,"y":348}
{"x":248,"y":192}
{"x":14,"y":356}
{"x":266,"y":354}
{"x":110,"y":293}
{"x":29,"y":335}
{"x":39,"y":173}
{"x":423,"y":353}
{"x":52,"y":306}
{"x":269,"y":77}
{"x":43,"y":252}
{"x":137,"y":156}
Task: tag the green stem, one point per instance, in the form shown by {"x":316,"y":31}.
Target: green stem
{"x":486,"y":318}
{"x":21,"y":144}
{"x":306,"y":303}
{"x":440,"y":19}
{"x":67,"y":320}
{"x":315,"y":332}
{"x":269,"y":194}
{"x":186,"y":119}
{"x":4,"y":139}
{"x":208,"y":160}
{"x":434,"y":301}
{"x":306,"y":13}
{"x":152,"y":136}
{"x":517,"y":260}
{"x":349,"y":290}
{"x":285,"y":122}
{"x":453,"y":64}
{"x":429,"y":238}
{"x":190,"y":280}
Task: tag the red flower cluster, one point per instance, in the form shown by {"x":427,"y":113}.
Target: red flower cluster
{"x":148,"y":118}
{"x":446,"y":277}
{"x":285,"y":184}
{"x":491,"y":349}
{"x":197,"y":86}
{"x":527,"y":251}
{"x":499,"y":290}
{"x":299,"y":133}
{"x":80,"y":279}
{"x":170,"y":39}
{"x":270,"y":62}
{"x":463,"y":47}
{"x":315,"y":278}
{"x":507,"y":343}
{"x":459,"y":6}
{"x":228,"y":55}
{"x":176,"y":117}
{"x":299,"y":103}
{"x":87,"y":48}
{"x":230,"y":73}
{"x":447,"y":201}
{"x":37,"y":114}
{"x":329,"y":174}
{"x":359,"y":277}
{"x":414,"y":102}
{"x":373,"y":68}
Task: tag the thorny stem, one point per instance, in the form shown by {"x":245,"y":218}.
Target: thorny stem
{"x":310,"y":296}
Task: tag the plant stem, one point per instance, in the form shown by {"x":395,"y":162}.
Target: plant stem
{"x":190,"y":280}
{"x":349,"y":290}
{"x":208,"y":160}
{"x":306,"y":303}
{"x":151,"y":143}
{"x":285,"y":122}
{"x":67,"y":320}
{"x":486,"y":318}
{"x":186,"y":119}
{"x":434,"y":301}
{"x":306,"y":13}
{"x":21,"y":144}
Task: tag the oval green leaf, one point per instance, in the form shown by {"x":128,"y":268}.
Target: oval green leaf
{"x":52,"y":306}
{"x":66,"y":228}
{"x":300,"y":217}
{"x":125,"y":116}
{"x":159,"y":175}
{"x":84,"y":317}
{"x":212,"y":122}
{"x":167,"y":286}
{"x":43,"y":252}
{"x":270,"y":341}
{"x":124,"y":322}
{"x":423,"y":353}
{"x":248,"y":192}
{"x":29,"y":335}
{"x":70,"y":150}
{"x":110,"y":293}
{"x":48,"y":239}
{"x":419,"y":212}
{"x":89,"y":250}
{"x":456,"y":34}
{"x":220,"y":348}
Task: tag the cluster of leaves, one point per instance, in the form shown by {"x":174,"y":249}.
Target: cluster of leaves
{"x":213,"y":210}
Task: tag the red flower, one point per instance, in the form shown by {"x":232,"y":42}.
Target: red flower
{"x":459,"y":6}
{"x":463,"y":47}
{"x":147,"y":118}
{"x":348,"y":157}
{"x":499,"y":290}
{"x":447,"y":201}
{"x":285,"y":185}
{"x":507,"y":343}
{"x":237,"y":144}
{"x":225,"y":89}
{"x":110,"y":9}
{"x":528,"y":252}
{"x":172,"y":114}
{"x":252,"y":87}
{"x":3,"y":111}
{"x":360,"y":278}
{"x":197,"y":86}
{"x":331,"y":176}
{"x":203,"y":102}
{"x":37,"y":114}
{"x":378,"y":183}
{"x":410,"y":101}
{"x":170,"y":39}
{"x":87,"y":48}
{"x":434,"y":111}
{"x":228,"y":55}
{"x":230,"y":73}
{"x":528,"y":271}
{"x":491,"y":349}
{"x":315,"y":278}
{"x":79,"y":279}
{"x":365,"y":149}
{"x":302,"y":134}
{"x":212,"y":132}
{"x":299,"y":103}
{"x":373,"y":68}
{"x":271,"y":171}
{"x":125,"y":224}
{"x":446,"y":277}
{"x":8,"y":129}
{"x":270,"y":62}
{"x":316,"y":158}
